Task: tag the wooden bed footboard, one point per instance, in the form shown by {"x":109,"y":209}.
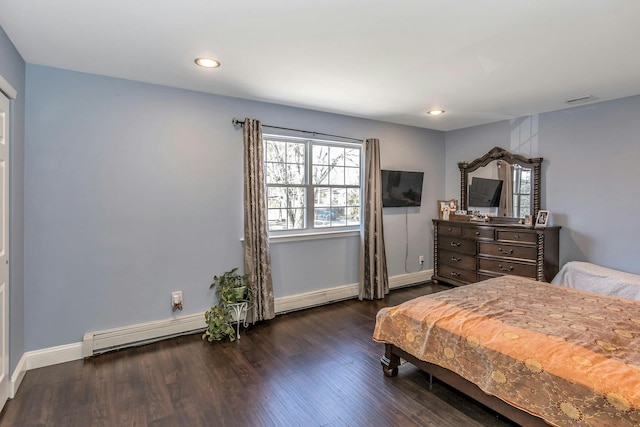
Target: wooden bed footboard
{"x":391,"y":361}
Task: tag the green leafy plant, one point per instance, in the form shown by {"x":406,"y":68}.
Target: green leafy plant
{"x":218,"y":320}
{"x":226,"y":286}
{"x":230,"y":288}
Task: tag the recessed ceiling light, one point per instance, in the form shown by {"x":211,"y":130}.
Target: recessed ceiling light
{"x":208,"y":62}
{"x":435,"y":112}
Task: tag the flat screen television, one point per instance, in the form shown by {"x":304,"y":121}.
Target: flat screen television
{"x":401,"y":188}
{"x":485,"y":193}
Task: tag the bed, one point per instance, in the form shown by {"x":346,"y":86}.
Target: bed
{"x":535,"y":352}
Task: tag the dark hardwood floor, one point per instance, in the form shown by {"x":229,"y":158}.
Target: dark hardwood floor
{"x":315,"y":367}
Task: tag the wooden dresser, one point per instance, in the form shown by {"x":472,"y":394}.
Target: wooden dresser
{"x":468,"y":252}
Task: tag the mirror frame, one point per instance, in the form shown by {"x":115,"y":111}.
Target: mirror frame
{"x":498,"y":153}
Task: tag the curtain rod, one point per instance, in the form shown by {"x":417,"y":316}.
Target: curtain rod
{"x":240,"y":123}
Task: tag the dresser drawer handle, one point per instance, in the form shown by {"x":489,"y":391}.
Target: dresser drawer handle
{"x":449,"y":229}
{"x":510,"y":268}
{"x":456,"y":244}
{"x":454,"y":259}
{"x":516,"y":236}
{"x":505,"y":251}
{"x":455,"y":274}
{"x":477,"y":233}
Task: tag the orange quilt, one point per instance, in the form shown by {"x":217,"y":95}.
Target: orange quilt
{"x":570,"y":357}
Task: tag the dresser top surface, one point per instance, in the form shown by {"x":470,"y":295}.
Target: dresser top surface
{"x":494,"y":224}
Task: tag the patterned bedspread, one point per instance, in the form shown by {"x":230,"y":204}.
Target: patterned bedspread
{"x":568,"y":356}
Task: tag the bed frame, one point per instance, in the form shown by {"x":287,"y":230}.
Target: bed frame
{"x":391,"y":360}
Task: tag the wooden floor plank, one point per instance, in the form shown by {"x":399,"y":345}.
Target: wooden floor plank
{"x":315,"y":367}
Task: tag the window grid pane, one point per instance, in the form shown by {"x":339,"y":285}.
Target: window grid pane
{"x":295,"y":153}
{"x":295,"y":174}
{"x":352,"y":176}
{"x":336,"y":176}
{"x":336,"y":156}
{"x":352,"y":158}
{"x":320,"y":174}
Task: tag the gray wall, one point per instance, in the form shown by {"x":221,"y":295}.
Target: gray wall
{"x":12,"y":69}
{"x":590,"y":174}
{"x":135,"y":190}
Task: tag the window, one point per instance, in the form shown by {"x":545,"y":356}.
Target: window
{"x":312,"y":185}
{"x":521,"y":191}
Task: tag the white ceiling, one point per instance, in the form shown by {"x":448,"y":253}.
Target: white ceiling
{"x":480,"y":60}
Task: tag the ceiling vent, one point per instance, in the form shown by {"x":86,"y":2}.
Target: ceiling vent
{"x":581,"y":100}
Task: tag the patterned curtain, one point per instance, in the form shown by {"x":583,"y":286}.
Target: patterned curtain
{"x":257,"y":260}
{"x":505,"y":173}
{"x":374,"y":282}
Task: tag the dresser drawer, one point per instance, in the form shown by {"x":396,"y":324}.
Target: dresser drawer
{"x":508,"y":251}
{"x":516,"y":236}
{"x":457,"y":274}
{"x":477,"y":233}
{"x":487,"y":275}
{"x":449,"y":230}
{"x":457,"y":260}
{"x":502,"y":266}
{"x":457,"y":244}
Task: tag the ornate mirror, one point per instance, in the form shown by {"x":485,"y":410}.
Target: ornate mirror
{"x":505,"y":182}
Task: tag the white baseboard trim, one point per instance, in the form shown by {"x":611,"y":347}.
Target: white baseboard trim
{"x":18,"y":376}
{"x":410,"y":278}
{"x":343,"y":292}
{"x":315,"y":298}
{"x":142,"y":333}
{"x":53,"y":355}
{"x":41,"y":358}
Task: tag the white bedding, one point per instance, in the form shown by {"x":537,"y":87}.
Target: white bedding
{"x":602,"y":280}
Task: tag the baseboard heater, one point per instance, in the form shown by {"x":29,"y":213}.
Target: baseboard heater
{"x":139,"y":334}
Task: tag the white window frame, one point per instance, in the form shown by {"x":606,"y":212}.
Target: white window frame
{"x":311,"y":231}
{"x":517,"y":195}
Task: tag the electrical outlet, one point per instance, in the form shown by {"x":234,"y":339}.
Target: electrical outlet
{"x":421,"y":259}
{"x":176,"y":300}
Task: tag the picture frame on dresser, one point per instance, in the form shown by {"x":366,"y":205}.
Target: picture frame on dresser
{"x":542,"y":219}
{"x":441,"y":208}
{"x":446,"y":208}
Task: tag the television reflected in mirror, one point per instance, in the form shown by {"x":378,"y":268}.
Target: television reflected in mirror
{"x":485,"y":193}
{"x":401,"y":188}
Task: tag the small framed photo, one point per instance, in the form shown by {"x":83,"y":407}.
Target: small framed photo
{"x":442,"y":207}
{"x":542,"y":219}
{"x":446,"y":208}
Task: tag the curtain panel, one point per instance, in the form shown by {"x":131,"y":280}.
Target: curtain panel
{"x":505,"y":173}
{"x":257,"y":259}
{"x":374,"y":281}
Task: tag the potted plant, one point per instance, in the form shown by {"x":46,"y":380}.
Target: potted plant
{"x":230,"y":288}
{"x":219,"y":325}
